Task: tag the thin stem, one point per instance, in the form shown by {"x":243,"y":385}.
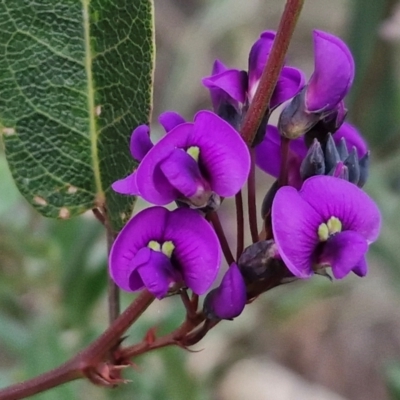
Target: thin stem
{"x":251,"y":200}
{"x":213,"y":216}
{"x":239,"y":224}
{"x":99,"y":215}
{"x":190,"y":306}
{"x":113,"y":294}
{"x":113,"y":334}
{"x":271,"y":71}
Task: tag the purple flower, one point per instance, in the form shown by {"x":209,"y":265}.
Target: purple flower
{"x":190,"y":163}
{"x":235,"y":88}
{"x":329,"y":222}
{"x":323,"y":95}
{"x":228,"y":300}
{"x":333,"y":74}
{"x":158,"y":248}
{"x":268,"y":156}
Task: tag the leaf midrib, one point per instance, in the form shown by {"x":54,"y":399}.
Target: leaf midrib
{"x":91,"y":101}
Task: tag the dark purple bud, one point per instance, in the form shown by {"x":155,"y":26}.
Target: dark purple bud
{"x":352,"y":164}
{"x":294,"y":121}
{"x":342,"y":149}
{"x":340,"y":171}
{"x":256,"y":261}
{"x":364,"y":169}
{"x":313,"y":163}
{"x":332,"y":156}
{"x":228,"y":300}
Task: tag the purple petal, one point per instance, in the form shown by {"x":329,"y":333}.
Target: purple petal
{"x":127,"y":185}
{"x":333,"y":73}
{"x":218,"y":67}
{"x":148,"y":225}
{"x":258,"y":58}
{"x":142,"y":257}
{"x":343,"y":252}
{"x":361,"y":268}
{"x":341,"y":112}
{"x":333,"y":197}
{"x":182,"y":172}
{"x":155,"y":273}
{"x":295,"y":226}
{"x":229,"y":86}
{"x":353,"y":139}
{"x":290,"y":82}
{"x":268,"y":153}
{"x":197,"y":248}
{"x":140,"y":143}
{"x":223,"y":153}
{"x":170,"y":119}
{"x":229,"y":299}
{"x":154,"y":187}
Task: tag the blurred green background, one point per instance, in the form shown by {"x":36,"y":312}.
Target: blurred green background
{"x":308,"y":340}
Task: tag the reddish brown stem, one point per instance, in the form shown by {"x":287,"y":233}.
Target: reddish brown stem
{"x":213,"y":216}
{"x":251,"y":200}
{"x":239,"y":224}
{"x":86,"y":359}
{"x":113,"y":334}
{"x":64,"y":373}
{"x":271,"y":71}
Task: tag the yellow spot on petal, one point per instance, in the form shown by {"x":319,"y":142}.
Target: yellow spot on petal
{"x":154,"y":245}
{"x":167,"y":248}
{"x":64,"y":213}
{"x":323,"y":232}
{"x":194,"y":152}
{"x":40,"y":200}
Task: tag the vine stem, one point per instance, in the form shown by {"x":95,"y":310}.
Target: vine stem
{"x":84,"y":360}
{"x":271,"y":71}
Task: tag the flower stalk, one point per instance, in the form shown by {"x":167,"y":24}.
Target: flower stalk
{"x":271,"y":71}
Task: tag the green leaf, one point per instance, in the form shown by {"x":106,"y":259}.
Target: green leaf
{"x":75,"y":79}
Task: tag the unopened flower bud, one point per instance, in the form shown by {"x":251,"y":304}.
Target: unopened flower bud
{"x":342,"y":149}
{"x":364,"y":169}
{"x":313,"y":163}
{"x":294,"y":120}
{"x":332,"y":156}
{"x":352,"y":164}
{"x":227,"y":301}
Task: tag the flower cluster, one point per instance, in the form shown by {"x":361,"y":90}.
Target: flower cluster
{"x":319,"y":217}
